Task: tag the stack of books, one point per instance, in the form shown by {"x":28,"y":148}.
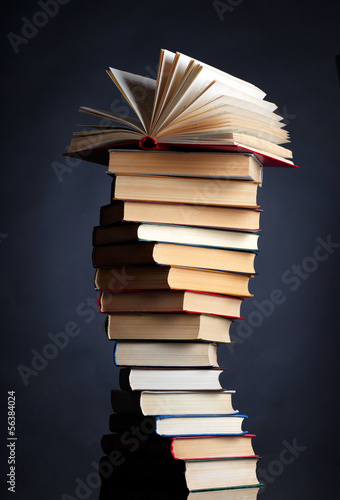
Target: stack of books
{"x":174,"y":254}
{"x":171,"y":290}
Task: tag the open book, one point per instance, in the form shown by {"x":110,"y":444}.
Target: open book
{"x":189,"y":106}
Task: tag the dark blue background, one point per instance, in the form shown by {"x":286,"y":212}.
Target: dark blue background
{"x":285,"y":371}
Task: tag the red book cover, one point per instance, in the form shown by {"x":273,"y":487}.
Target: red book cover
{"x":101,"y":154}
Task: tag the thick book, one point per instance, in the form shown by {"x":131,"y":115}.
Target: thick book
{"x":209,"y":447}
{"x":190,"y":190}
{"x":189,"y":105}
{"x":165,"y":354}
{"x":185,"y":425}
{"x":220,"y":473}
{"x":189,"y":164}
{"x":173,"y":403}
{"x":157,"y":277}
{"x":199,"y":236}
{"x":170,"y":254}
{"x":181,"y":214}
{"x":168,"y":233}
{"x":170,"y":379}
{"x":167,"y":326}
{"x":180,"y":448}
{"x":200,"y":425}
{"x":170,"y":301}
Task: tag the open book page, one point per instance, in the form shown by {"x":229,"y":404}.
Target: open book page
{"x":206,"y":112}
{"x":182,"y":69}
{"x":139,"y":91}
{"x":97,"y":131}
{"x":229,"y":123}
{"x":195,"y":86}
{"x":220,"y":89}
{"x":220,"y":137}
{"x":274,"y":149}
{"x":199,"y":90}
{"x":234,"y":124}
{"x":166,"y":61}
{"x":103,"y":138}
{"x":205,"y":103}
{"x":115,"y":117}
{"x":223,"y":77}
{"x":233,"y":81}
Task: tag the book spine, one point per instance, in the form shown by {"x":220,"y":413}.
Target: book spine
{"x":121,"y":422}
{"x":106,"y":327}
{"x":125,"y":402}
{"x":124,"y":379}
{"x":145,"y":445}
{"x":135,"y":253}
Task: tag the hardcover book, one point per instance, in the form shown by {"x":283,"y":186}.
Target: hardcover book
{"x":184,"y":214}
{"x":172,"y":403}
{"x":181,"y":448}
{"x":167,"y":326}
{"x":165,"y":354}
{"x":170,"y":301}
{"x":181,"y":163}
{"x":170,"y":379}
{"x":158,"y":277}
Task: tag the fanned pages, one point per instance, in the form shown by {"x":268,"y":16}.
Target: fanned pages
{"x":138,"y":90}
{"x":190,"y":105}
